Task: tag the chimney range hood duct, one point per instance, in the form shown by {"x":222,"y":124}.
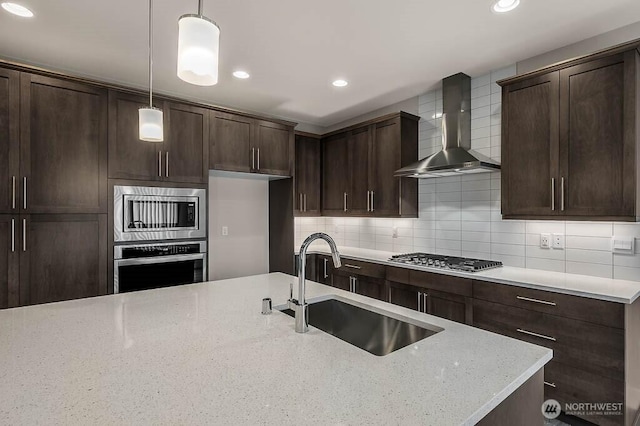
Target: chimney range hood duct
{"x":456,"y":156}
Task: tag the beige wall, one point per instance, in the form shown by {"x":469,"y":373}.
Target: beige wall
{"x":242,"y":204}
{"x":584,"y":47}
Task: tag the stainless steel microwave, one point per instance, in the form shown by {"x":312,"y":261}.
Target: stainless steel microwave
{"x":144,"y":213}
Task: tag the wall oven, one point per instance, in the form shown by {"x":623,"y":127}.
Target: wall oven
{"x":151,"y":213}
{"x":147,"y":266}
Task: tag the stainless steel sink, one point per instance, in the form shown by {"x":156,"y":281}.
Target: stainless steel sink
{"x":377,"y":333}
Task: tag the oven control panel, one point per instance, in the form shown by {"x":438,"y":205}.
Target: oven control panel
{"x":159,"y":250}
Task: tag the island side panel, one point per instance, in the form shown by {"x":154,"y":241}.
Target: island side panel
{"x":522,"y":407}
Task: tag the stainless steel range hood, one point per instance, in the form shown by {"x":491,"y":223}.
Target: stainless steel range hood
{"x":456,"y":156}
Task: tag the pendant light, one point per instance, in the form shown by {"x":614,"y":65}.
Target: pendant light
{"x":150,"y":118}
{"x":198,"y":45}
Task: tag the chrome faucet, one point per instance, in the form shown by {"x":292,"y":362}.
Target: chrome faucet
{"x":300,"y":306}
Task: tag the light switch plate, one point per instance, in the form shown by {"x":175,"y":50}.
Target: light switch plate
{"x":545,"y":240}
{"x":557,"y":241}
{"x":623,"y":245}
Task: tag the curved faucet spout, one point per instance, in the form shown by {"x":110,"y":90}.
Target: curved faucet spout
{"x":300,"y":305}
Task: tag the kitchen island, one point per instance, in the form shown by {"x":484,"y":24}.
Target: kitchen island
{"x":204,"y":354}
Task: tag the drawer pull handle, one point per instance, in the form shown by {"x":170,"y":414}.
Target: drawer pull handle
{"x":553,"y":385}
{"x":531,"y":333}
{"x":352,"y":266}
{"x":528,"y":299}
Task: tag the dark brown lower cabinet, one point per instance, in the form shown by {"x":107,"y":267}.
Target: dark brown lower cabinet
{"x":444,"y":305}
{"x":324,"y":269}
{"x":8,"y":262}
{"x":343,"y":282}
{"x":359,"y":284}
{"x":62,"y":257}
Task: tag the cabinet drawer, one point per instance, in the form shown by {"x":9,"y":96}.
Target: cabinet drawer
{"x":398,"y":275}
{"x":591,"y":310}
{"x":567,"y":384}
{"x":357,"y":267}
{"x":590,"y":347}
{"x":441,"y":282}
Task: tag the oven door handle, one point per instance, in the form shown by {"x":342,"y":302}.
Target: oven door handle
{"x":159,"y":259}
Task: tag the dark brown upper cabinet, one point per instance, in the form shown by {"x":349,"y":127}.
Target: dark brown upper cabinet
{"x":179,"y":158}
{"x":335,"y":175}
{"x":242,"y":144}
{"x":186,"y":153}
{"x":358,"y":166}
{"x":63,"y":146}
{"x":570,"y":141}
{"x":307,"y":175}
{"x":9,"y":140}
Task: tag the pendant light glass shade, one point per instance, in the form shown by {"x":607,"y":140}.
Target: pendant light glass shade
{"x":198,"y":45}
{"x":150,"y":127}
{"x":150,"y":124}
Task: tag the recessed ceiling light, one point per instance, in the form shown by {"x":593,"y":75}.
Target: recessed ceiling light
{"x":502,"y":6}
{"x":340,"y":83}
{"x":17,"y":9}
{"x":241,"y":74}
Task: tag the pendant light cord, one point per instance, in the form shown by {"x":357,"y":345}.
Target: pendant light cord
{"x":150,"y":53}
{"x":200,"y":7}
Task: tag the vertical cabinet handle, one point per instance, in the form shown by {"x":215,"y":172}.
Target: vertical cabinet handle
{"x":419,"y":297}
{"x":325,"y":268}
{"x":345,"y":201}
{"x":24,"y":234}
{"x":305,"y":202}
{"x":553,"y":193}
{"x":355,"y":284}
{"x":13,"y":235}
{"x":562,"y":193}
{"x":424,"y":302}
{"x":24,"y":193}
{"x":300,"y":205}
{"x":253,"y":158}
{"x":13,"y":192}
{"x":258,"y":158}
{"x":372,"y":201}
{"x":368,"y":201}
{"x":159,"y":163}
{"x":166,"y":170}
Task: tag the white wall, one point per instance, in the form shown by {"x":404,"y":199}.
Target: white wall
{"x":461,"y":215}
{"x":241,"y":204}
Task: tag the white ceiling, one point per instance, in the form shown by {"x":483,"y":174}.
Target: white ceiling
{"x":388,"y":50}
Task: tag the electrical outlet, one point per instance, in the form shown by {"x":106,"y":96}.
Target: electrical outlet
{"x":558,"y":241}
{"x":394,"y":232}
{"x":225,"y":231}
{"x":545,"y":240}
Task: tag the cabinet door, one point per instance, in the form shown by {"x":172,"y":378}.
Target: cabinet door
{"x":230,"y":142}
{"x":530,"y":147}
{"x":335,"y":174}
{"x":449,"y":306}
{"x":63,"y":147}
{"x":385,"y":160}
{"x":324,"y":269}
{"x":370,"y":287}
{"x":307,"y":198}
{"x":273,"y":143}
{"x":65,"y":257}
{"x":597,"y":152}
{"x":9,"y":140}
{"x":343,"y":282}
{"x":359,"y":144}
{"x":186,"y":153}
{"x":9,"y":249}
{"x":405,"y":295}
{"x":129,"y":157}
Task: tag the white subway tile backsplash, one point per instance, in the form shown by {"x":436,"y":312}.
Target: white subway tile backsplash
{"x":546,"y":227}
{"x":509,"y":249}
{"x":590,"y":229}
{"x":545,"y":264}
{"x":592,"y":269}
{"x":545,"y":253}
{"x":589,"y":256}
{"x":588,"y":243}
{"x":626,"y":273}
{"x":628,"y":260}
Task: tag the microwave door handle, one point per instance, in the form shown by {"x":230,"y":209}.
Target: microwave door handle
{"x":159,"y":259}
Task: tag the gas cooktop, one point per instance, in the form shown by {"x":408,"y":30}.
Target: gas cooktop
{"x":445,"y":262}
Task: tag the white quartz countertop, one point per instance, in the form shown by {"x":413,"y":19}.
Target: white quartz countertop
{"x":621,"y":291}
{"x":204,"y":354}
